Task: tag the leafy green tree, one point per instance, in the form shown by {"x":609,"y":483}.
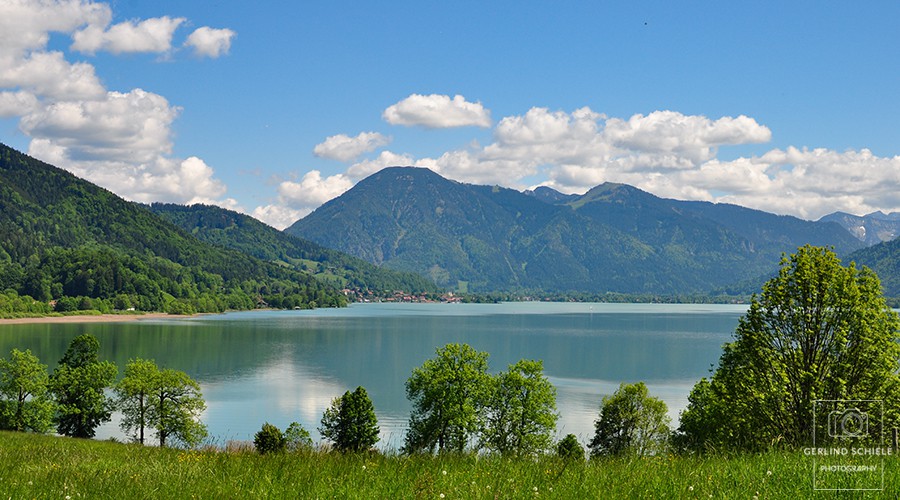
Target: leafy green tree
{"x":78,"y":385}
{"x":297,"y":438}
{"x":569,"y":448}
{"x":631,"y":422}
{"x":448,"y":394}
{"x":133,"y":396}
{"x":25,"y":404}
{"x":702,"y":426}
{"x":176,"y":403}
{"x":350,"y":423}
{"x":818,"y":331}
{"x":269,"y":439}
{"x":521,"y":411}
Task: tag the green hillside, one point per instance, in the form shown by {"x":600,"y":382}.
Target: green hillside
{"x":62,"y":237}
{"x":884,"y":259}
{"x":615,"y":238}
{"x":247,"y":235}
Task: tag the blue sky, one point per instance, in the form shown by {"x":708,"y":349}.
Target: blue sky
{"x":273,"y":108}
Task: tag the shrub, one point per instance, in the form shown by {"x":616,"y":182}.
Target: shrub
{"x":569,"y":448}
{"x":269,"y":440}
{"x":297,"y":438}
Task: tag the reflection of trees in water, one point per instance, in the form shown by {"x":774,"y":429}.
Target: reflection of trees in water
{"x":337,"y":353}
{"x":384,"y":350}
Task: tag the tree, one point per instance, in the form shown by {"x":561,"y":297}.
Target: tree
{"x":350,"y":423}
{"x":176,"y":405}
{"x":521,"y":411}
{"x":448,"y":393}
{"x":78,"y":384}
{"x":269,"y":439}
{"x":297,"y":438}
{"x":818,"y":331}
{"x":631,"y":422}
{"x":569,"y":448}
{"x":134,"y":392}
{"x":24,"y":400}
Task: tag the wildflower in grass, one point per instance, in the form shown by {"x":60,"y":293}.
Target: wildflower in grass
{"x":768,"y":473}
{"x":441,"y":495}
{"x":444,"y":472}
{"x":690,"y":488}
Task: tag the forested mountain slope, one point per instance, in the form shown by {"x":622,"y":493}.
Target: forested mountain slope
{"x":63,"y":237}
{"x":613,"y":238}
{"x":241,"y":232}
{"x":884,"y":259}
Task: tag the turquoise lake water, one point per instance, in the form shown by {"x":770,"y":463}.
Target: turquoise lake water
{"x":284,"y":366}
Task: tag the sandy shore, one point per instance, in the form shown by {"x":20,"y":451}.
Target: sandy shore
{"x":100,"y":318}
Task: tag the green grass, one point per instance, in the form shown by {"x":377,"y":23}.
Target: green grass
{"x":34,"y":466}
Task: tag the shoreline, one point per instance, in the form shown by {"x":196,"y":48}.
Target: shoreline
{"x":88,"y":318}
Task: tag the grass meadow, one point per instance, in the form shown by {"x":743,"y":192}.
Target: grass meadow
{"x":35,"y":466}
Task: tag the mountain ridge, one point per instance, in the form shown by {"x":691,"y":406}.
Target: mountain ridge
{"x":873,"y":228}
{"x":613,"y":238}
{"x":63,"y":237}
{"x":230,"y":229}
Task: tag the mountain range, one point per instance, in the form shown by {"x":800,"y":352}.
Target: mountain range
{"x":613,"y":238}
{"x":876,"y":227}
{"x":402,"y":228}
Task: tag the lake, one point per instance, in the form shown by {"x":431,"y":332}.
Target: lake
{"x":284,"y":366}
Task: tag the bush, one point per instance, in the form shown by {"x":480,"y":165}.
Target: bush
{"x":570,"y":449}
{"x":269,"y":440}
{"x":631,"y":422}
{"x":297,"y":438}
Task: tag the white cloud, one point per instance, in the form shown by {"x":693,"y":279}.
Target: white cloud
{"x":17,"y":103}
{"x":807,"y":182}
{"x":210,"y":42}
{"x":49,"y":75}
{"x":385,"y":159}
{"x":279,"y":216}
{"x":297,"y":199}
{"x":122,"y":143}
{"x":437,"y":111}
{"x":690,"y":137}
{"x":150,"y":35}
{"x":345,"y":148}
{"x":119,"y":140}
{"x":666,"y":153}
{"x":123,"y":127}
{"x":26,"y":24}
{"x":313,"y":189}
